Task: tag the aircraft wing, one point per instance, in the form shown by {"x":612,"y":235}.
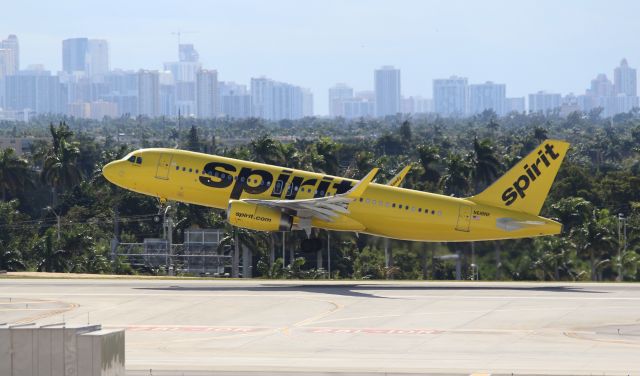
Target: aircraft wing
{"x":399,"y":178}
{"x":322,"y":208}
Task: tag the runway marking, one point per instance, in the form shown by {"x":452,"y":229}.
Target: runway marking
{"x":372,"y":331}
{"x":191,"y":329}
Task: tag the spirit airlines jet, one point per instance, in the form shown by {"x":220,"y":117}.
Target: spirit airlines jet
{"x":269,"y":198}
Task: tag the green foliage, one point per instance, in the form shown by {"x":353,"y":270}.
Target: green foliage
{"x":598,"y":181}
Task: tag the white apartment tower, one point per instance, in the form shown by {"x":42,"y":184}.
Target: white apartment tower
{"x":387,"y":89}
{"x":207,"y":94}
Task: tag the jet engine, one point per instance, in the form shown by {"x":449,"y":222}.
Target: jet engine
{"x":257,"y":217}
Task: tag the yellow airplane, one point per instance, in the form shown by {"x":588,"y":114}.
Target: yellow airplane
{"x":269,"y":198}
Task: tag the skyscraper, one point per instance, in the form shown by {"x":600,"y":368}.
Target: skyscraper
{"x":387,"y":88}
{"x":148,"y":93}
{"x":337,"y":94}
{"x":12,"y":57}
{"x":487,"y":96}
{"x":36,"y":90}
{"x":307,"y":102}
{"x":186,"y":52}
{"x":97,"y":59}
{"x":451,"y":96}
{"x":74,"y":54}
{"x":624,"y":79}
{"x":273,"y":100}
{"x":207,"y":94}
{"x":235,"y":101}
{"x":544,"y":102}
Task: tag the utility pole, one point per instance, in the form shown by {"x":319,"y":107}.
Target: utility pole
{"x":329,"y":253}
{"x":284,"y":264}
{"x":167,"y":235}
{"x":116,"y":230}
{"x":622,"y":242}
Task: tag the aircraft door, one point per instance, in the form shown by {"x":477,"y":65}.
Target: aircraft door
{"x":464,"y":218}
{"x":163,"y":166}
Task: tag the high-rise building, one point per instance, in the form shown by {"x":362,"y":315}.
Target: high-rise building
{"x":544,"y":102}
{"x":337,"y":94}
{"x":487,"y":96}
{"x":272,"y":100}
{"x":74,"y":54}
{"x":235,"y":101}
{"x":451,"y":96}
{"x":387,"y":88}
{"x":35,"y":90}
{"x":12,"y":59}
{"x":307,"y":102}
{"x":186,"y":53}
{"x":97,"y":60}
{"x":601,"y":86}
{"x":624,"y":79}
{"x":514,"y":105}
{"x":207,"y":94}
{"x":122,"y":89}
{"x":149,"y":93}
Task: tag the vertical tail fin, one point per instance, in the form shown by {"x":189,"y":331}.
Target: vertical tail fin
{"x":525,"y":186}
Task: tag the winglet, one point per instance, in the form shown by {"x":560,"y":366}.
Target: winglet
{"x":362,"y":185}
{"x":399,"y":178}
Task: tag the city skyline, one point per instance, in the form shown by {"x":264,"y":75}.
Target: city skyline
{"x":87,"y":87}
{"x":559,"y":51}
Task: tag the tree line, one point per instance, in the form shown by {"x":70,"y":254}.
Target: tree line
{"x":58,"y":213}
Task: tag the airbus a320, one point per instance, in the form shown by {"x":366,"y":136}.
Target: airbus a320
{"x":270,"y":198}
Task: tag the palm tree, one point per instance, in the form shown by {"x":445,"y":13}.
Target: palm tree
{"x":266,"y":150}
{"x":485,"y":163}
{"x":455,"y":180}
{"x":60,"y":170}
{"x":595,"y":237}
{"x":429,"y":157}
{"x":14,"y":173}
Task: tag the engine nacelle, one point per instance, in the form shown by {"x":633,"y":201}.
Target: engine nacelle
{"x":257,"y":217}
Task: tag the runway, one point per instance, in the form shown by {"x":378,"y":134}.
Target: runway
{"x":261,"y":327}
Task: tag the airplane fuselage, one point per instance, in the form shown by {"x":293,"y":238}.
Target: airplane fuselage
{"x":212,"y":181}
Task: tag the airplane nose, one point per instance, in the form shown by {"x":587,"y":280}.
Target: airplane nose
{"x":112,"y":171}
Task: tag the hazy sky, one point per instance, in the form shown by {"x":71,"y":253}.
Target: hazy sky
{"x":529,"y":45}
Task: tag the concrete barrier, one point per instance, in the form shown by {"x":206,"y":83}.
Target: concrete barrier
{"x":59,"y":350}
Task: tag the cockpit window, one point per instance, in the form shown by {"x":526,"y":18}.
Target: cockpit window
{"x":139,"y":160}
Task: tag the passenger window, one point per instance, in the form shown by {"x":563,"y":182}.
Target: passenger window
{"x":278,"y":188}
{"x":197,"y":171}
{"x":190,"y":170}
{"x":361,"y":199}
{"x":177,"y":168}
{"x":373,"y":202}
{"x":184,"y":169}
{"x":393,"y":205}
{"x":368,"y":201}
{"x":419,"y":210}
{"x":433,"y":212}
{"x":386,"y":204}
